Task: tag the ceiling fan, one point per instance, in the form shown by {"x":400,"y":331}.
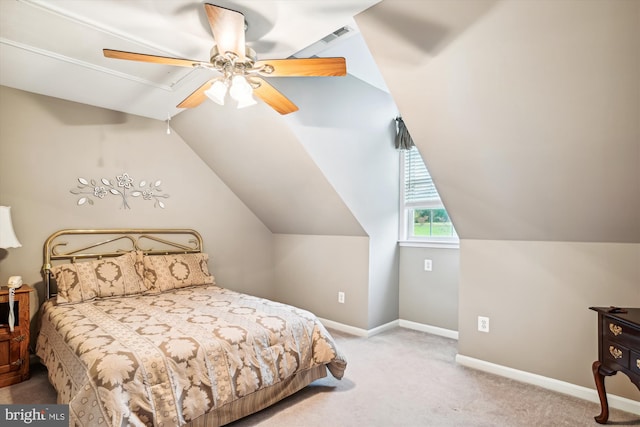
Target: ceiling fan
{"x":242,"y":73}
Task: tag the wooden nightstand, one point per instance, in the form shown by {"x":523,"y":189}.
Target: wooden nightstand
{"x":14,"y":346}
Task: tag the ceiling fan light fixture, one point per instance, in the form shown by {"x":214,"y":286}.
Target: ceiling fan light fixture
{"x":240,"y":88}
{"x":217,"y":92}
{"x":242,"y":91}
{"x":247,"y":102}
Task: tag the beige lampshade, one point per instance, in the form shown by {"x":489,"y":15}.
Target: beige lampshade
{"x":8,"y":237}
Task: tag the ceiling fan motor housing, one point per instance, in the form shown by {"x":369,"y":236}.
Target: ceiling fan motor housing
{"x":220,"y":60}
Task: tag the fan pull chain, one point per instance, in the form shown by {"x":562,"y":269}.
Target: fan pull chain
{"x":168,"y":121}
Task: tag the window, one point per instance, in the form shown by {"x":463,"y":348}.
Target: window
{"x":423,"y":216}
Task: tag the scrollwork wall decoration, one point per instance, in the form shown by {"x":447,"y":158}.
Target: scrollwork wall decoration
{"x":123,"y":186}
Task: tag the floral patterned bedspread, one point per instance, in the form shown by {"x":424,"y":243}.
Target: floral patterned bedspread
{"x":167,"y":359}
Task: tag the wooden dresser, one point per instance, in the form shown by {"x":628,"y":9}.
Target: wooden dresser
{"x":618,"y":349}
{"x":14,"y":346}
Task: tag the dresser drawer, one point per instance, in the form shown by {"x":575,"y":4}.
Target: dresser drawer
{"x":614,"y":352}
{"x":619,"y":332}
{"x":634,"y":362}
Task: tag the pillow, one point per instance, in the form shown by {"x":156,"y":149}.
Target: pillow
{"x":108,"y":277}
{"x":166,"y":272}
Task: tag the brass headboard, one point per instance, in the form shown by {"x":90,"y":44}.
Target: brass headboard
{"x":71,"y":245}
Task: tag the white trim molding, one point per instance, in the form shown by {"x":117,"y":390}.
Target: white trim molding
{"x":580,"y":392}
{"x":88,"y":65}
{"x":358,"y":331}
{"x":435,"y":330}
{"x":382,"y":328}
{"x":447,"y":333}
{"x":429,"y":244}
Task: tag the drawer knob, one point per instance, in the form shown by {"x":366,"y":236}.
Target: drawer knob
{"x":615,"y":352}
{"x":19,"y":338}
{"x":17,"y":363}
{"x":615,"y":329}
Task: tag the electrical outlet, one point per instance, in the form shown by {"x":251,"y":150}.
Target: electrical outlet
{"x":428,"y":265}
{"x":341,"y":297}
{"x":483,"y":324}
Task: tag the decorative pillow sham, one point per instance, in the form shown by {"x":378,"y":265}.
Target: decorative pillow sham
{"x":108,"y":277}
{"x":166,"y":272}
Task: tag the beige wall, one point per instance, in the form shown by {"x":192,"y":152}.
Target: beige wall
{"x":47,"y":143}
{"x":256,"y":154}
{"x":311,"y":270}
{"x":430,"y":297}
{"x":537,"y":296}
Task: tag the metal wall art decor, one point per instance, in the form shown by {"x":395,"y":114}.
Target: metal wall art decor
{"x":123,"y":186}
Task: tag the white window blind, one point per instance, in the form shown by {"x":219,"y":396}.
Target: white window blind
{"x":418,"y":186}
{"x":423,"y":217}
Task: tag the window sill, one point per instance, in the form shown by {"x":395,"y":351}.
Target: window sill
{"x":429,"y":244}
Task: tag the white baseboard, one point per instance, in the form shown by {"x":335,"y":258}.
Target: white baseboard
{"x":382,"y":328}
{"x":585,"y":393}
{"x":358,"y":331}
{"x":435,"y":330}
{"x":393,"y":324}
{"x":343,"y":328}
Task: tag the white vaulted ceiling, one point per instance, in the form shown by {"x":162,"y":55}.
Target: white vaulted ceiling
{"x":54,"y":48}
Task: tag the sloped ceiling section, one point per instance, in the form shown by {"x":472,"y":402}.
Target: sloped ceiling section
{"x":527,"y":113}
{"x":347,"y":127}
{"x":261,"y":160}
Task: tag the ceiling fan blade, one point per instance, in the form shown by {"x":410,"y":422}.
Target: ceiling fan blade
{"x":131,"y":56}
{"x":227,"y":27}
{"x":274,"y":98}
{"x":303,"y":67}
{"x":197,"y":97}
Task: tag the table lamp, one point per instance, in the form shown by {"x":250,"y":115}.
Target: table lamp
{"x":8,"y":239}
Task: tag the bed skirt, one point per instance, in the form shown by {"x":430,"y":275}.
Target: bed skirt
{"x":260,"y":399}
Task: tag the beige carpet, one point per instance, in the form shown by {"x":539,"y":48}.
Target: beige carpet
{"x":399,"y":378}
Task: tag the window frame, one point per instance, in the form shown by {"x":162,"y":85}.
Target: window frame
{"x":406,"y":215}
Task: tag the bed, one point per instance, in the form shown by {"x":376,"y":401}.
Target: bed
{"x":135,"y":331}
